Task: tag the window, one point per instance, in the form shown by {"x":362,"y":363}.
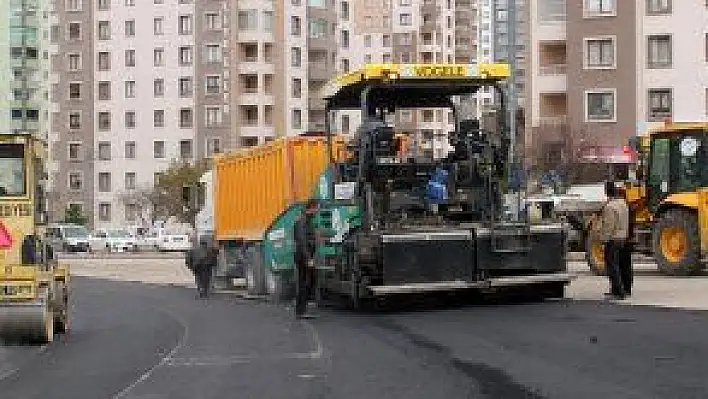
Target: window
{"x":212,"y":21}
{"x":74,"y":151}
{"x":296,"y":122}
{"x":132,"y":210}
{"x":295,"y":57}
{"x":104,"y":212}
{"x":185,"y":55}
{"x":104,"y":121}
{"x":600,"y":8}
{"x":104,"y":151}
{"x":345,"y":65}
{"x":185,"y":87}
{"x":75,"y":31}
{"x":386,"y":40}
{"x":158,"y":149}
{"x":130,"y":28}
{"x":76,"y":181}
{"x":405,"y":19}
{"x":405,"y":39}
{"x":130,"y":120}
{"x":74,"y":120}
{"x":75,"y":91}
{"x":158,"y":118}
{"x":345,"y":124}
{"x":213,"y":146}
{"x":344,"y":11}
{"x":74,"y":62}
{"x":213,"y":116}
{"x":104,"y":5}
{"x":73,"y":5}
{"x":317,"y":28}
{"x":213,"y":53}
{"x":297,"y":88}
{"x":104,"y":30}
{"x":130,"y":3}
{"x":295,"y":26}
{"x":659,"y":53}
{"x":600,"y":53}
{"x":130,"y":150}
{"x":367,"y":40}
{"x":213,"y":84}
{"x":104,"y":61}
{"x":157,"y":26}
{"x":657,"y":7}
{"x":345,"y":39}
{"x":249,"y":115}
{"x":185,"y":149}
{"x":158,"y":87}
{"x":600,"y":106}
{"x":158,"y":57}
{"x":185,"y":24}
{"x":186,"y":119}
{"x":268,"y":21}
{"x":130,"y":58}
{"x":428,"y":115}
{"x":129,"y":89}
{"x":248,"y":19}
{"x":104,"y":182}
{"x":660,"y":104}
{"x":130,"y":180}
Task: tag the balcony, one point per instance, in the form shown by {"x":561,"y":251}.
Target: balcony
{"x":552,"y":70}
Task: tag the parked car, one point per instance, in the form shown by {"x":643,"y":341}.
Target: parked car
{"x":68,"y":237}
{"x":173,"y":240}
{"x":113,"y":240}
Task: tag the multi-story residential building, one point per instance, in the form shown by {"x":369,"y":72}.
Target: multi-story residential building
{"x":24,"y":67}
{"x":137,"y":85}
{"x":602,"y":70}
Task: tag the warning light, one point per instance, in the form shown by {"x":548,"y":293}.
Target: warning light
{"x":5,"y":237}
{"x":627,"y":149}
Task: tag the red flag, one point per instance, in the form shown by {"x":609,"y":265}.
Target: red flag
{"x":5,"y":237}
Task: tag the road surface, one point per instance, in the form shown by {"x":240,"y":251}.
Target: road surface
{"x":137,"y":340}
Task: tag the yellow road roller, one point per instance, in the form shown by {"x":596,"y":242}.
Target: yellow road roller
{"x":34,"y":286}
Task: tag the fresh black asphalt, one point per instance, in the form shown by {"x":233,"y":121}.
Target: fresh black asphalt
{"x":139,"y":341}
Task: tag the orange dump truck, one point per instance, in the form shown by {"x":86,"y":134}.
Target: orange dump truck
{"x":252,"y":189}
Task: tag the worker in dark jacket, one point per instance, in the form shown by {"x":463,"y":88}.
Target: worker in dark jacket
{"x":305,"y":272}
{"x":202,"y":261}
{"x":614,"y":232}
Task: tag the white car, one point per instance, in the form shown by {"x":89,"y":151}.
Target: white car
{"x":112,"y":240}
{"x":168,"y":240}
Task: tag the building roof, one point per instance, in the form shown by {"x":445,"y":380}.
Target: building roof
{"x":411,"y":85}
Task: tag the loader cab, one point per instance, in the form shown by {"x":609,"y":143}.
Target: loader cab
{"x":677,"y":163}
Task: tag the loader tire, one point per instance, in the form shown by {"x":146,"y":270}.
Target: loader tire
{"x":595,"y":254}
{"x":676,"y":243}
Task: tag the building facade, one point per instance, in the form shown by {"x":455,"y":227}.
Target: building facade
{"x":600,"y":71}
{"x":24,"y":67}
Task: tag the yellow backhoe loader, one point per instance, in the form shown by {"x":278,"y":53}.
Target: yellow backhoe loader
{"x":668,"y":200}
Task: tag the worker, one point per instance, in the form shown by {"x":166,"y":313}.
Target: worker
{"x":305,"y":272}
{"x":202,"y":261}
{"x":626,"y":269}
{"x":613,"y":230}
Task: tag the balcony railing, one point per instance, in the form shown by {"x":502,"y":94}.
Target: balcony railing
{"x":553,"y":69}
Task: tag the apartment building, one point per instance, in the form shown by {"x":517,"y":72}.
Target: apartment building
{"x":137,"y":84}
{"x":601,"y":71}
{"x":24,"y":66}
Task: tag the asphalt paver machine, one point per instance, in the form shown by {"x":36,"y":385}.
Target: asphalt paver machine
{"x":394,"y":223}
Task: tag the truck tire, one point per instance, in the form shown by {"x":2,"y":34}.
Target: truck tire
{"x":279,"y":286}
{"x":676,"y":243}
{"x":595,"y":254}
